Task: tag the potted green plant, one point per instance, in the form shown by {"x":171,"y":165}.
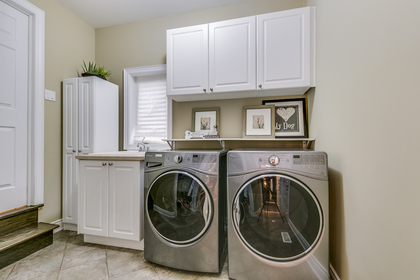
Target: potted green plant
{"x":92,"y":69}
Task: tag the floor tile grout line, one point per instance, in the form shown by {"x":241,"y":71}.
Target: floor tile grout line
{"x":106,"y":262}
{"x":64,"y":253}
{"x":10,"y":272}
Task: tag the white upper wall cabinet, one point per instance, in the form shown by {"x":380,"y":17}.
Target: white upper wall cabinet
{"x":285,"y":49}
{"x":187,"y":60}
{"x":232,"y":55}
{"x":265,"y":55}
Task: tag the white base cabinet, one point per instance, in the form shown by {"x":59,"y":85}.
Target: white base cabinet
{"x":110,"y":200}
{"x":90,"y":125}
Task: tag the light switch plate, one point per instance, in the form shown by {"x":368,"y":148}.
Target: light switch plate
{"x":50,"y":95}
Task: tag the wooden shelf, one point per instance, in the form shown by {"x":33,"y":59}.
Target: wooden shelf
{"x":306,"y":142}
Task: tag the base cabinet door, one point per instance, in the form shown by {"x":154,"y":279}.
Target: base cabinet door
{"x":109,"y":199}
{"x":93,"y":197}
{"x":124,"y":200}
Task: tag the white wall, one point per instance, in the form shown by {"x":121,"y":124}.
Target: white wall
{"x":365,"y":115}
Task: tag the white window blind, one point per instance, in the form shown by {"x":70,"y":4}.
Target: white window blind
{"x":151,"y":108}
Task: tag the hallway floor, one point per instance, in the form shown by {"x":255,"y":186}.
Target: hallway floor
{"x":71,"y":258}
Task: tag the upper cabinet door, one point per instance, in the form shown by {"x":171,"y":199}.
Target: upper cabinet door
{"x":285,"y":46}
{"x":232,"y":55}
{"x":187,"y":60}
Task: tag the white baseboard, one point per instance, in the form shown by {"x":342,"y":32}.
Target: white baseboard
{"x":131,"y":244}
{"x":59,"y":223}
{"x":333,"y":273}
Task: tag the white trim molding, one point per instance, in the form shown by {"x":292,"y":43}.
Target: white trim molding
{"x":333,"y":273}
{"x":130,"y":102}
{"x":36,"y":89}
{"x":59,"y":223}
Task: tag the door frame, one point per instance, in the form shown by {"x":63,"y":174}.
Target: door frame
{"x":36,"y":17}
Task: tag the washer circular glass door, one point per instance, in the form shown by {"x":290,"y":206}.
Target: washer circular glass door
{"x":277,"y":217}
{"x":179,"y":207}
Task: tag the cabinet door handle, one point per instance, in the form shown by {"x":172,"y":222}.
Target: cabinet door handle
{"x":204,"y":90}
{"x":74,"y":151}
{"x":103,"y":163}
{"x":211,"y":89}
{"x":260,"y":85}
{"x":80,"y":151}
{"x":111,"y":164}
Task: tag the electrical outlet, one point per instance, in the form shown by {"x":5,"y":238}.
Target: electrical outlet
{"x":50,"y":95}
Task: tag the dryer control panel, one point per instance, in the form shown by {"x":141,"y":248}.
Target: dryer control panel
{"x":207,"y":161}
{"x":306,"y":162}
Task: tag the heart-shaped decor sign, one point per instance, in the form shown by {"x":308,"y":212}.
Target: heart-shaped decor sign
{"x":286,"y":113}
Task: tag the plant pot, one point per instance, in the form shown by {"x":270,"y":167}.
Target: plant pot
{"x":89,"y":74}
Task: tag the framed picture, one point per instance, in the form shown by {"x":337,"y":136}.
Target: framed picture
{"x":258,"y":121}
{"x":206,"y":121}
{"x":290,"y":117}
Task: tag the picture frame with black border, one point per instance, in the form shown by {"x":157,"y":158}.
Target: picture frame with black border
{"x":290,"y":117}
{"x":206,"y":121}
{"x":258,"y":121}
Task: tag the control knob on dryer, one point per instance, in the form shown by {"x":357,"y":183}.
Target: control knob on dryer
{"x":178,"y":159}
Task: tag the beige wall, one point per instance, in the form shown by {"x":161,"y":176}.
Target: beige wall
{"x":365,"y":114}
{"x":144,"y":43}
{"x":68,"y":41}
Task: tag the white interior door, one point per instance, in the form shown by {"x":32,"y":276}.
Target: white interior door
{"x":13,"y":107}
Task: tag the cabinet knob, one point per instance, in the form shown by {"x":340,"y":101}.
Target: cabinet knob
{"x":204,"y":90}
{"x":260,"y":85}
{"x":103,"y":163}
{"x":111,"y":164}
{"x":211,"y":89}
{"x":74,"y":151}
{"x":80,"y":151}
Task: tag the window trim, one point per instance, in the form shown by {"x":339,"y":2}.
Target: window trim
{"x":130,"y":102}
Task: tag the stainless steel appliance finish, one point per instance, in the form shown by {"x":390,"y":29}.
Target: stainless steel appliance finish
{"x":185,"y":217}
{"x":278,"y":214}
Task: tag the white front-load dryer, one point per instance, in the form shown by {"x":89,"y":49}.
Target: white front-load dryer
{"x":185,"y":209}
{"x":278,"y":215}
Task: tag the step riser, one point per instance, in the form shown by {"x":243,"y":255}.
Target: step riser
{"x":10,"y":224}
{"x":26,"y":248}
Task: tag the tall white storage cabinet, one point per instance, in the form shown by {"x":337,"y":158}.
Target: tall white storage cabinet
{"x":90,"y":125}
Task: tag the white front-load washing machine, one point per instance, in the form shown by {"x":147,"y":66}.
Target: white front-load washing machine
{"x":278,"y":214}
{"x":185,"y":209}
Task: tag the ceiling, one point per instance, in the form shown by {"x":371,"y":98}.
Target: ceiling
{"x":103,"y":13}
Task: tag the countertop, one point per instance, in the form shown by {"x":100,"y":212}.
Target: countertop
{"x":113,"y":156}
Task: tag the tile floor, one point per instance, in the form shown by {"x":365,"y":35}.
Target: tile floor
{"x":71,"y":258}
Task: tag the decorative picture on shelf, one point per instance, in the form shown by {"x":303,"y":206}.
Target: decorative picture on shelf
{"x":290,"y":117}
{"x":258,"y":121}
{"x":206,"y":121}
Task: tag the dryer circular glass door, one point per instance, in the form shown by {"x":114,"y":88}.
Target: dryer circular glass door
{"x":179,"y":207}
{"x":277,"y":217}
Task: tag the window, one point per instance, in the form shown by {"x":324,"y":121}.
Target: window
{"x":145,"y":107}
